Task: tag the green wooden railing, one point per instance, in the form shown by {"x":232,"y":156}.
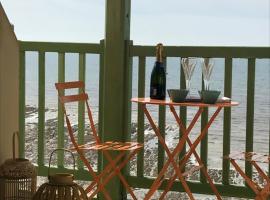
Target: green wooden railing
{"x":227,"y":53}
{"x":61,"y":49}
{"x":142,"y":52}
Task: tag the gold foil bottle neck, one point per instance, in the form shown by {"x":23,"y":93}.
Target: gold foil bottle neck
{"x":159,"y":52}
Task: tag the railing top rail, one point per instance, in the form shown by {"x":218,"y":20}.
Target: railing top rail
{"x":203,"y":51}
{"x":149,"y":51}
{"x":61,"y":47}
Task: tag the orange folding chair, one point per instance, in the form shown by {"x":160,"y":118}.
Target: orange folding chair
{"x":262,"y":191}
{"x":126,"y":150}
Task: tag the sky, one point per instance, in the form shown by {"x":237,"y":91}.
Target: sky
{"x":172,"y":22}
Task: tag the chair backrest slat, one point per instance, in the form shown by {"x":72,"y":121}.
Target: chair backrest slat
{"x":69,"y":85}
{"x":74,"y":98}
{"x":82,"y":96}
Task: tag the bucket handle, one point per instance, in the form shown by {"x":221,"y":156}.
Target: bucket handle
{"x":13,"y":143}
{"x":61,"y":149}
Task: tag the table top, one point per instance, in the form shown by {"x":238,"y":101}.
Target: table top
{"x":195,"y":104}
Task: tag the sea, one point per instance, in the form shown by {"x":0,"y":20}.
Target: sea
{"x":239,"y":92}
{"x":215,"y":133}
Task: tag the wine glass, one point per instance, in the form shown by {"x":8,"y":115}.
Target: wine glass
{"x":207,"y":68}
{"x":188,"y":65}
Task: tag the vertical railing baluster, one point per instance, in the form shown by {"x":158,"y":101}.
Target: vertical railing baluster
{"x":227,"y":121}
{"x":161,"y":125}
{"x":127,"y":96}
{"x":183,"y":110}
{"x":250,"y":112}
{"x":60,"y":125}
{"x":22,"y":105}
{"x":140,"y":120}
{"x":100,"y":107}
{"x":81,"y":107}
{"x":204,"y":142}
{"x":41,"y":107}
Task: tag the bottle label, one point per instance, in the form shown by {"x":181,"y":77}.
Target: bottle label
{"x":157,"y":93}
{"x":154,"y":91}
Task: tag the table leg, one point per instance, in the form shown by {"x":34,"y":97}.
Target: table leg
{"x":204,"y":169}
{"x":201,"y":136}
{"x":171,"y":156}
{"x":158,"y":180}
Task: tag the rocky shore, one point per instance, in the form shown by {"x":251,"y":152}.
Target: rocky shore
{"x":150,"y":153}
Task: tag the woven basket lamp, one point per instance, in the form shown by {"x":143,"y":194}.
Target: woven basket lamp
{"x":18,"y":178}
{"x":60,"y":186}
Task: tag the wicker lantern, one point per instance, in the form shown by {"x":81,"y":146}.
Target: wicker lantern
{"x":18,"y":178}
{"x":60,"y":186}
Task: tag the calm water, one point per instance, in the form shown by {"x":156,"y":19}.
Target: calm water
{"x":239,"y":92}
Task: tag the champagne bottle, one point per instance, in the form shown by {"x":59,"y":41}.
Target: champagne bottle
{"x":158,"y":76}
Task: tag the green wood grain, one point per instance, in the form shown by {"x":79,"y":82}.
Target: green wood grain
{"x":41,"y":107}
{"x":140,"y":119}
{"x":60,"y":47}
{"x":161,"y":126}
{"x":204,"y":142}
{"x":116,"y":81}
{"x":101,"y":104}
{"x":250,"y":112}
{"x":22,"y":105}
{"x":196,"y":187}
{"x":183,"y":110}
{"x":81,"y":106}
{"x":60,"y":124}
{"x":227,"y":122}
{"x":198,"y":51}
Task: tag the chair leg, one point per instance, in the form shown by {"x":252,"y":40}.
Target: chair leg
{"x":250,"y":183}
{"x":260,"y":171}
{"x":117,"y":171}
{"x":103,"y":173}
{"x":92,"y":172}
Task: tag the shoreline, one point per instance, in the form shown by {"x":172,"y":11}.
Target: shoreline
{"x":150,"y":153}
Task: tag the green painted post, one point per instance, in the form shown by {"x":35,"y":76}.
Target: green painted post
{"x":101,"y":104}
{"x":116,"y":81}
{"x":183,"y":110}
{"x":41,"y":107}
{"x":161,"y":126}
{"x":81,"y":107}
{"x":204,"y":142}
{"x":22,"y":105}
{"x":250,"y":112}
{"x":141,"y":93}
{"x":127,"y":97}
{"x":101,"y":90}
{"x":60,"y":124}
{"x":227,"y":122}
{"x":100,"y":108}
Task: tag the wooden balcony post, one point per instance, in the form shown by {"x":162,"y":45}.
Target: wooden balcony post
{"x":117,"y":80}
{"x":9,"y":86}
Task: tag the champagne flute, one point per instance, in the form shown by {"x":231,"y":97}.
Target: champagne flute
{"x":207,"y":68}
{"x":188,"y":65}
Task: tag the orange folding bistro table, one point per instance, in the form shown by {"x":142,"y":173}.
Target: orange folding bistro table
{"x":178,"y":167}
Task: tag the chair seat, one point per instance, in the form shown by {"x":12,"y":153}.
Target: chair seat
{"x":110,"y":146}
{"x":250,"y":156}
